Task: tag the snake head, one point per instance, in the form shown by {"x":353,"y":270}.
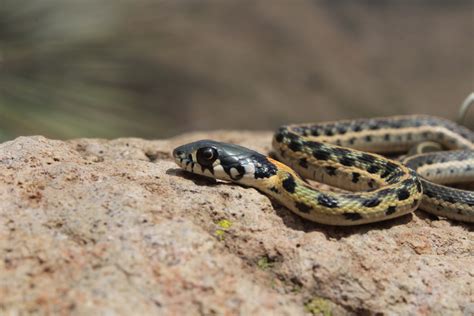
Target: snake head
{"x":221,"y":160}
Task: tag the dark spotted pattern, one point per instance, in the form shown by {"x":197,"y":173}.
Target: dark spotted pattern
{"x":279,"y":136}
{"x":371,"y":183}
{"x":390,"y":210}
{"x":452,"y":196}
{"x":303,"y":163}
{"x":429,"y":193}
{"x":369,"y":159}
{"x":450,"y":199}
{"x":352,"y":216}
{"x":385,"y":174}
{"x":289,"y":184}
{"x":330,"y":170}
{"x":371,"y":202}
{"x":347,"y":161}
{"x":342,"y":127}
{"x":438,"y":157}
{"x":403,"y":194}
{"x":394,"y":177}
{"x":303,"y":207}
{"x":324,"y":151}
{"x":373,"y":169}
{"x":373,"y":126}
{"x":384,"y":192}
{"x":407,"y":183}
{"x":295,"y":145}
{"x":341,"y":130}
{"x":391,"y":166}
{"x":389,"y":171}
{"x":355,"y":177}
{"x":263,"y":167}
{"x":314,"y":132}
{"x":392,"y":172}
{"x":329,"y":132}
{"x":339,"y":151}
{"x":321,"y":154}
{"x":327,"y":201}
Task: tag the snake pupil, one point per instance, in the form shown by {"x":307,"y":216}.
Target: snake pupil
{"x":206,"y":156}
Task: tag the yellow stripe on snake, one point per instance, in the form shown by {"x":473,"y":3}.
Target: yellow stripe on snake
{"x":346,"y":154}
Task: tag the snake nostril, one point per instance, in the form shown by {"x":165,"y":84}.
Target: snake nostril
{"x":178,"y":153}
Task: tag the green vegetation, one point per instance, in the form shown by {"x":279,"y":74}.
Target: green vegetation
{"x":319,"y":306}
{"x":224,"y":225}
{"x":265,"y":263}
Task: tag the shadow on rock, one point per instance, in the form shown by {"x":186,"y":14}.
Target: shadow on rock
{"x":293,"y":221}
{"x":197,"y":179}
{"x":432,"y":218}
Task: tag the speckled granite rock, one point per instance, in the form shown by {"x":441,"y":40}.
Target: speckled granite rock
{"x":93,"y":226}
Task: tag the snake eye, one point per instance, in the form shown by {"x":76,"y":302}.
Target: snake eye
{"x":206,"y":156}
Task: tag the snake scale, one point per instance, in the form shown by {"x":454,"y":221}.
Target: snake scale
{"x":348,"y":155}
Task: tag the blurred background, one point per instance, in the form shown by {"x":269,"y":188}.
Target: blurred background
{"x":157,"y":68}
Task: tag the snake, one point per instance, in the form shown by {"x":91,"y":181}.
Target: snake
{"x":358,"y":159}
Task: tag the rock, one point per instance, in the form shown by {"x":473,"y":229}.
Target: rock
{"x":93,"y":226}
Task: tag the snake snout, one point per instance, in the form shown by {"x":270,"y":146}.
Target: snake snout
{"x":182,"y":156}
{"x":178,"y":152}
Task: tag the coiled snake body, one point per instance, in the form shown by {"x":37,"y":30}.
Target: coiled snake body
{"x":373,"y":188}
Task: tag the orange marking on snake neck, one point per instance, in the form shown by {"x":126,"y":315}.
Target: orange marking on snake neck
{"x":283,"y":167}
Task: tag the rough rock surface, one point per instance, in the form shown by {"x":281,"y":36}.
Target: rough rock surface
{"x":93,"y":226}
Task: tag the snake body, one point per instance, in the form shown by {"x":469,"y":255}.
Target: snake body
{"x":373,"y":187}
{"x":447,"y":167}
